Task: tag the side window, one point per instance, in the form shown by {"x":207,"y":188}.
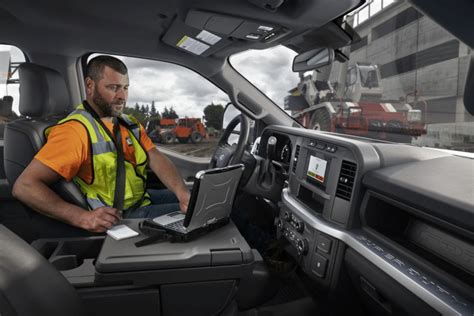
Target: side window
{"x":10,"y":58}
{"x":351,"y":77}
{"x":180,"y":110}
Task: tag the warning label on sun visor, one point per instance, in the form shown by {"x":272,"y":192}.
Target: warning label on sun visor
{"x":192,"y":45}
{"x":208,"y":37}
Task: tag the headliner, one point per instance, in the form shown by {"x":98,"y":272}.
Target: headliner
{"x":134,"y":28}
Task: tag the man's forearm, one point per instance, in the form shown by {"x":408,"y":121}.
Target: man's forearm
{"x":167,"y":172}
{"x":42,"y":199}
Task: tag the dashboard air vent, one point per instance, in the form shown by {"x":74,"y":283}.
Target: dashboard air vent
{"x":346,"y":180}
{"x":295,"y":161}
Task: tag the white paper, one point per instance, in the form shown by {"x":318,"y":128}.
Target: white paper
{"x":192,"y":45}
{"x":120,"y":232}
{"x":208,"y":37}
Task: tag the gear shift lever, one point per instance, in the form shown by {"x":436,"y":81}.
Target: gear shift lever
{"x":266,"y":174}
{"x":271,"y":146}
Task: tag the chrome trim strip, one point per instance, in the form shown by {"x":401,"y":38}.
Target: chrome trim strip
{"x":424,"y":287}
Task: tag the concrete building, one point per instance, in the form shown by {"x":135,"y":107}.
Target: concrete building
{"x":418,"y":60}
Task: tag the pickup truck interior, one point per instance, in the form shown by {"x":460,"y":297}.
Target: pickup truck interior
{"x":357,"y":196}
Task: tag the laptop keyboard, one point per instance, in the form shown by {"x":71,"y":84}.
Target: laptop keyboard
{"x":177,"y":226}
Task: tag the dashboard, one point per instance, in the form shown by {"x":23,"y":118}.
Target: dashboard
{"x":370,"y":208}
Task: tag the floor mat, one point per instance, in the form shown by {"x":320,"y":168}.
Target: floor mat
{"x":302,"y":307}
{"x":290,"y":289}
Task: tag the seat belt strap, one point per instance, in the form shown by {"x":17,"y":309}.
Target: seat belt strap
{"x":119,"y":194}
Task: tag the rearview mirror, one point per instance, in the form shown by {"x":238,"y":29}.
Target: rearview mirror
{"x":313,"y":59}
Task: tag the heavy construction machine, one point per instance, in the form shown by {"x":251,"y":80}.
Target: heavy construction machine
{"x":355,"y":105}
{"x":167,"y":131}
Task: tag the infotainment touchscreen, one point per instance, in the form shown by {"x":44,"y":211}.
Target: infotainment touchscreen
{"x":317,"y":169}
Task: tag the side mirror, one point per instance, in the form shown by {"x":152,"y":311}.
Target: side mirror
{"x":469,"y":88}
{"x":313,"y":59}
{"x":351,"y":77}
{"x":4,"y":67}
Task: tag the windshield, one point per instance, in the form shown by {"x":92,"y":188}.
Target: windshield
{"x":404,"y":81}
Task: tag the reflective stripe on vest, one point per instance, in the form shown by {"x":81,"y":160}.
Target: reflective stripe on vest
{"x":100,"y":192}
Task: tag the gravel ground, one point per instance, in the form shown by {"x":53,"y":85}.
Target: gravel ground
{"x":204,"y":149}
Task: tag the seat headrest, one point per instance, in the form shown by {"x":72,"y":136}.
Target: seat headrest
{"x":43,"y":91}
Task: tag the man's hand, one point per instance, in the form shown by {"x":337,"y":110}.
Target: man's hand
{"x":183,"y":200}
{"x":100,"y":219}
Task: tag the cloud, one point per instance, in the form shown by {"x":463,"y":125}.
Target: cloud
{"x":269,"y":70}
{"x":171,"y":85}
{"x":189,"y":93}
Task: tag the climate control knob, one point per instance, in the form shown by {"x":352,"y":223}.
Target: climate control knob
{"x":278,"y":223}
{"x":287,"y":216}
{"x":302,"y":246}
{"x":299,"y":227}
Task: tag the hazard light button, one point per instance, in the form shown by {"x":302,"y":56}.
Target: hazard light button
{"x":319,"y":265}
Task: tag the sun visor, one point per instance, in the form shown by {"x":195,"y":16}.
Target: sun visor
{"x":233,"y":27}
{"x":204,"y":33}
{"x":193,"y":40}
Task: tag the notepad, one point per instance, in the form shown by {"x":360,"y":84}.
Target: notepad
{"x":120,"y":232}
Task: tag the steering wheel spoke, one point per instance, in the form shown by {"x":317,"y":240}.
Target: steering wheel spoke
{"x":226,"y":154}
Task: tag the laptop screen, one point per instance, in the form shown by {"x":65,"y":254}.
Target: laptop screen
{"x":212,"y":195}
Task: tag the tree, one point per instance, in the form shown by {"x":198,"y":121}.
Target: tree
{"x":166,"y":113}
{"x":169,"y":113}
{"x":173,"y":113}
{"x":142,"y":109}
{"x":153,"y":111}
{"x":213,"y":115}
{"x":135,"y":112}
{"x":154,"y":114}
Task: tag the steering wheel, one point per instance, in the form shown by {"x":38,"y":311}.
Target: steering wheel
{"x":226,"y":154}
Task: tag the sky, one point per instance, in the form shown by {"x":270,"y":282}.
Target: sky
{"x":189,"y":93}
{"x":173,"y":85}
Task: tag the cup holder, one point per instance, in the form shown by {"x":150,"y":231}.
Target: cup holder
{"x":64,"y":263}
{"x":70,"y":253}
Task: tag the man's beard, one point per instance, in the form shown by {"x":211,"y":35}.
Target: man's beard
{"x":108,"y":109}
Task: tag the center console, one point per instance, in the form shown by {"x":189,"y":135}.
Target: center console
{"x":322,"y":177}
{"x":320,"y":194}
{"x":199,"y":277}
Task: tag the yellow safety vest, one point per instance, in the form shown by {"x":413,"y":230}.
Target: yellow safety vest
{"x":100,"y":192}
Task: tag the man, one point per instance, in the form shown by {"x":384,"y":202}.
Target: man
{"x":82,"y":148}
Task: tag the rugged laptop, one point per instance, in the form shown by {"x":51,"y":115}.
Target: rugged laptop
{"x":210,"y":204}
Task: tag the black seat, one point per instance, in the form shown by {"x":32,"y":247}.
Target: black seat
{"x":44,"y":100}
{"x":5,"y":112}
{"x":29,"y":284}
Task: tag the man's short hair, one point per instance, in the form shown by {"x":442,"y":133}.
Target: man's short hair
{"x":96,"y":65}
